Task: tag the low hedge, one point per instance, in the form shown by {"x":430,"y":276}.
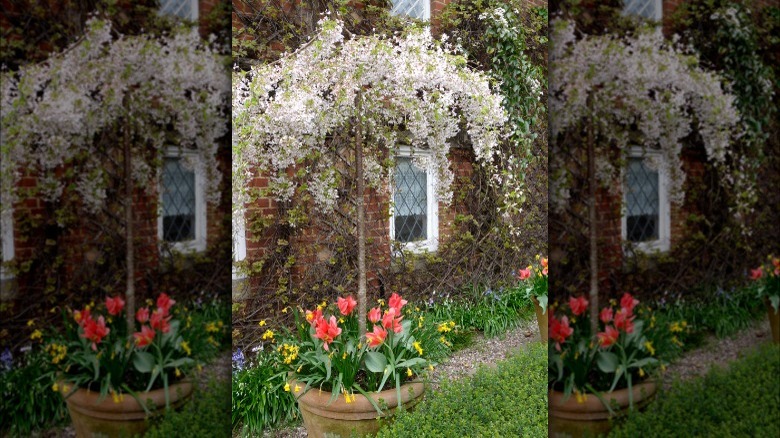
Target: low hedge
{"x":206,"y":415}
{"x":743,"y":400}
{"x":510,"y":400}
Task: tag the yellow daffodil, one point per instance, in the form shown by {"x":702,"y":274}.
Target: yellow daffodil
{"x":268,"y":335}
{"x":261,"y":323}
{"x":409,"y":372}
{"x":287,"y":387}
{"x":297,"y":388}
{"x":186,"y":347}
{"x":55,"y":387}
{"x":418,"y":347}
{"x":649,"y":347}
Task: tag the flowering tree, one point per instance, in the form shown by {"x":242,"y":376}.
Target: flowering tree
{"x":110,"y":94}
{"x":338,"y":93}
{"x":634,"y":90}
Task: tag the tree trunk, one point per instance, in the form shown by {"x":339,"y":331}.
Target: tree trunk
{"x":361,"y":219}
{"x":592,"y":226}
{"x":130,"y":259}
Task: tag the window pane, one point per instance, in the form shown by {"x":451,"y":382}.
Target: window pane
{"x":180,"y":8}
{"x":643,"y":8}
{"x":413,"y":8}
{"x":642,"y":202}
{"x":411,"y":201}
{"x":178,"y":201}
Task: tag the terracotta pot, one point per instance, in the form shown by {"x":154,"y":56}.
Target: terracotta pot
{"x":91,"y":417}
{"x":573,"y":419}
{"x":358,"y":417}
{"x":541,"y":319}
{"x":774,"y":321}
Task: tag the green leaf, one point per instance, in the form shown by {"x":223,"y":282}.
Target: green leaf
{"x":143,"y":361}
{"x":375,"y":361}
{"x":607,"y":362}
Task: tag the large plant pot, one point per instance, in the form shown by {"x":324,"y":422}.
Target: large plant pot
{"x":570,"y":418}
{"x":774,"y":321}
{"x":105,"y":418}
{"x":541,"y":319}
{"x":358,"y":417}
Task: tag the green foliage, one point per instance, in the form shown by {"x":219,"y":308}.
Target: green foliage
{"x":488,"y":311}
{"x":27,"y":401}
{"x":509,"y":400}
{"x":725,"y":313}
{"x":205,"y":415}
{"x":743,"y":400}
{"x":259,"y":398}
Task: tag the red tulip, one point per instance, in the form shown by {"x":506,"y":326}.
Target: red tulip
{"x":313,"y":317}
{"x":376,"y":337}
{"x":82,"y":316}
{"x":165,"y":303}
{"x":523,"y":274}
{"x":559,"y":331}
{"x":390,"y":321}
{"x":396,"y":302}
{"x":142,"y":315}
{"x":327,"y":331}
{"x":115,"y":305}
{"x":159,"y":321}
{"x":608,"y":337}
{"x":624,"y":321}
{"x":628,"y":302}
{"x":756,"y":274}
{"x":346,"y":305}
{"x":95,"y":331}
{"x":144,"y":337}
{"x":578,"y":305}
{"x":606,"y":315}
{"x":375,"y":314}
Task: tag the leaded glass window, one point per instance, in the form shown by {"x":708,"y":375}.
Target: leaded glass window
{"x":186,"y":9}
{"x":420,"y":9}
{"x":642,"y":202}
{"x":650,"y":9}
{"x":178,"y":201}
{"x":410,"y":201}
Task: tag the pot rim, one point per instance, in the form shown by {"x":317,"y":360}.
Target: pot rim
{"x":86,"y":398}
{"x":320,"y":399}
{"x":641,"y":391}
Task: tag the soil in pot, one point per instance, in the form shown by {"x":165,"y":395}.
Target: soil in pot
{"x":92,"y":417}
{"x":359,"y":417}
{"x":570,"y":418}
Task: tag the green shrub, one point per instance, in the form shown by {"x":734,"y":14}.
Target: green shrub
{"x":510,"y":400}
{"x":743,"y":400}
{"x":27,"y":401}
{"x":205,"y":415}
{"x":259,"y":399}
{"x":491,"y":312}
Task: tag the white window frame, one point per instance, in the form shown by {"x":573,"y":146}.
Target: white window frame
{"x":239,"y":244}
{"x":198,"y":244}
{"x":426,"y":13}
{"x":431,"y":244}
{"x":658,"y":10}
{"x":662,"y":244}
{"x":194,"y":7}
{"x":6,"y":241}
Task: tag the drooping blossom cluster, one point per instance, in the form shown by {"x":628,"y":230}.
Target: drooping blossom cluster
{"x":162,"y":89}
{"x":403,"y":89}
{"x":158,"y":319}
{"x":638,"y":84}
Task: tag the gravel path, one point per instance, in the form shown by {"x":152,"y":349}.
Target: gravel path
{"x":719,"y":352}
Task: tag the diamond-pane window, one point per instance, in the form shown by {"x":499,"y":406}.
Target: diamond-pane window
{"x":650,"y":9}
{"x":411,"y":201}
{"x":642,"y":202}
{"x":185,"y":9}
{"x":420,"y":9}
{"x":178,"y":201}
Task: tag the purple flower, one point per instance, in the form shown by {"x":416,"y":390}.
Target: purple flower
{"x":6,"y":360}
{"x":238,"y":360}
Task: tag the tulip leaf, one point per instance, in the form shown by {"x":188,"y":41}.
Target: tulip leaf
{"x":143,"y":361}
{"x":607,"y":362}
{"x":375,"y":361}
